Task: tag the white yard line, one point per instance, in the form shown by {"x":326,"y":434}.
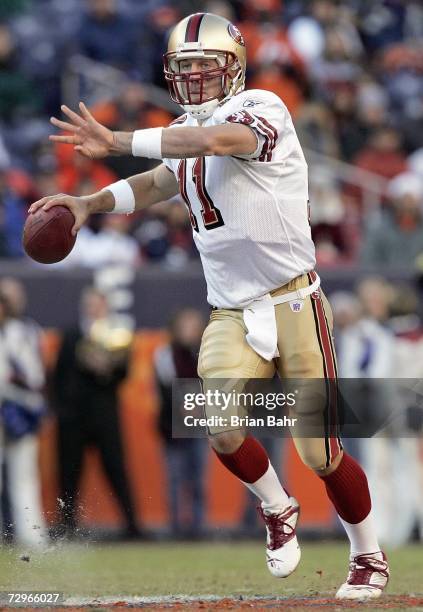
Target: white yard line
{"x":163,"y":599}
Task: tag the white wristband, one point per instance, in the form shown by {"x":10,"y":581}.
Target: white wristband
{"x":124,"y":197}
{"x":147,"y":143}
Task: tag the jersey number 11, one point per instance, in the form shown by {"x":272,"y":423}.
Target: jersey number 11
{"x":209,"y":212}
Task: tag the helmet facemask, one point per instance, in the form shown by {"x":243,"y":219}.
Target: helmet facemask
{"x":189,"y":89}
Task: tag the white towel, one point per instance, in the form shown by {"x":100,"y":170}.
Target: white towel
{"x":260,"y":319}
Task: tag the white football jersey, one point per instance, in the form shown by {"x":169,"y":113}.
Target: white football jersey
{"x":249,"y":213}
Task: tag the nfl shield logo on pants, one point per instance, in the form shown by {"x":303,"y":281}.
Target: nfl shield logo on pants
{"x":296,"y":306}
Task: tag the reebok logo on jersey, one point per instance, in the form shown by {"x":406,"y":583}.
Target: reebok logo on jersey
{"x":297,"y":305}
{"x":250,"y":102}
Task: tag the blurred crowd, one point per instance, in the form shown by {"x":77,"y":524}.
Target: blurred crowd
{"x":350,"y":73}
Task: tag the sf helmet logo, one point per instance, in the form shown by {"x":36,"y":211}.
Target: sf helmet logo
{"x":236,"y":34}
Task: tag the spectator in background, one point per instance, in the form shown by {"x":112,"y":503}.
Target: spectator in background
{"x":179,"y":235}
{"x":345,"y":124}
{"x":92,"y":363}
{"x":113,"y":244}
{"x":108,"y":36}
{"x":45,"y":180}
{"x":365,"y":343}
{"x":165,"y":234}
{"x":22,"y":406}
{"x":359,"y":109}
{"x":267,"y":41}
{"x":327,"y":215}
{"x":406,"y":323}
{"x":382,"y":154}
{"x":18,"y":96}
{"x":372,"y":105}
{"x":185,"y":458}
{"x":338,"y":65}
{"x":367,"y":354}
{"x":73,"y":169}
{"x":347,"y":311}
{"x":284,"y":81}
{"x":316,"y":129}
{"x":394,"y":237}
{"x":401,"y":76}
{"x":160,"y":21}
{"x":415,"y":163}
{"x":12,"y":215}
{"x":131,"y":110}
{"x":389,"y":455}
{"x":313,"y":20}
{"x":407,"y":326}
{"x":306,"y":32}
{"x":152,"y":232}
{"x":366,"y":346}
{"x":382,"y":24}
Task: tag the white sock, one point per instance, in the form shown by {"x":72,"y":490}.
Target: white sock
{"x":362,"y":535}
{"x":269,"y":489}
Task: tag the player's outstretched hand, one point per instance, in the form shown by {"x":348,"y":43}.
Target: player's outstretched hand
{"x":88,"y":136}
{"x":77,"y":205}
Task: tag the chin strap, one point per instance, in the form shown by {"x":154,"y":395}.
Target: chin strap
{"x":201,"y":111}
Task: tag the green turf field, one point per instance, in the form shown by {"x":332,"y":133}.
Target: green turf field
{"x":199,"y":569}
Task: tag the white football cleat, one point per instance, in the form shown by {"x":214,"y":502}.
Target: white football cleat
{"x":367,"y":577}
{"x":282,"y":552}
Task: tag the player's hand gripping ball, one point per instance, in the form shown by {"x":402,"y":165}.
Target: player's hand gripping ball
{"x":47,"y":236}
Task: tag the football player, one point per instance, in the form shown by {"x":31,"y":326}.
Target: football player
{"x":236,"y":160}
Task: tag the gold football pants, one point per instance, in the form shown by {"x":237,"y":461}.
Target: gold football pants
{"x":306,"y":354}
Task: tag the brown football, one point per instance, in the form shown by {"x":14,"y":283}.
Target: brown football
{"x":47,"y":234}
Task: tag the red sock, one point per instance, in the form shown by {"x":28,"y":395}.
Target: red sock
{"x":249,"y":462}
{"x":348,"y":490}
